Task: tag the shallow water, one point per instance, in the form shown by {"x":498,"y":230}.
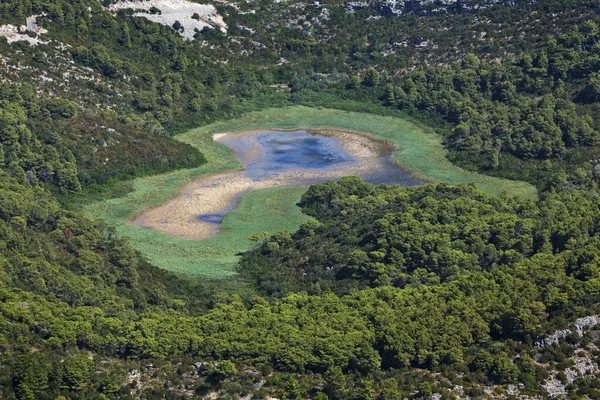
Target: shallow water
{"x":270,"y":154}
{"x":211,"y":218}
{"x":271,"y":159}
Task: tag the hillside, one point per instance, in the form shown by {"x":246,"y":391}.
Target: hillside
{"x":438,"y":291}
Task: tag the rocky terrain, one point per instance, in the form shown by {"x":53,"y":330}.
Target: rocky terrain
{"x":427,"y":7}
{"x":29,"y":32}
{"x":582,"y":362}
{"x":184,"y":16}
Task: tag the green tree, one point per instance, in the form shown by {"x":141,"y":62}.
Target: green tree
{"x":371,"y":77}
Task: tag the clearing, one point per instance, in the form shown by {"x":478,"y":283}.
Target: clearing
{"x":271,"y":210}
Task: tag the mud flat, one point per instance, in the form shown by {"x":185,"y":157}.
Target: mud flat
{"x":272,"y":159}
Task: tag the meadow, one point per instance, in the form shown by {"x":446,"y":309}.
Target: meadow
{"x":419,"y":151}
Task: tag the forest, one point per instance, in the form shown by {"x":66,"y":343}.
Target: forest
{"x":389,"y":292}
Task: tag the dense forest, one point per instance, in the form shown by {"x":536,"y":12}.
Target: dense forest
{"x":390,"y":292}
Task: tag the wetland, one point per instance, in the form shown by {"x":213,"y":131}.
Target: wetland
{"x":272,"y":159}
{"x":272,"y":209}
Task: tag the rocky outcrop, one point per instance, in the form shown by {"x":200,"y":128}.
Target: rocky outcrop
{"x":581,"y":325}
{"x":553,"y":339}
{"x":186,"y":17}
{"x":14,"y":33}
{"x":583,"y":361}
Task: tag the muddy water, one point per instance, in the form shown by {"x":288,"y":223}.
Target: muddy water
{"x":272,"y":159}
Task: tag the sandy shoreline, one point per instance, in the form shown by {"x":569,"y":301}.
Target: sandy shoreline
{"x":215,"y":194}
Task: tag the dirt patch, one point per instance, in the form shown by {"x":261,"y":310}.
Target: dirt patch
{"x":360,"y":144}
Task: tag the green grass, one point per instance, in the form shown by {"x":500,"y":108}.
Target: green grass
{"x":271,"y":210}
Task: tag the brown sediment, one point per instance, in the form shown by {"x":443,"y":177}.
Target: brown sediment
{"x":214,"y":194}
{"x":359,"y":142}
{"x":354,"y":139}
{"x":381,"y":146}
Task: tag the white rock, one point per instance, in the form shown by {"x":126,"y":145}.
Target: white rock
{"x":586,"y":322}
{"x":176,"y":10}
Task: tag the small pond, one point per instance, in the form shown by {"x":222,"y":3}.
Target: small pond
{"x":273,"y":159}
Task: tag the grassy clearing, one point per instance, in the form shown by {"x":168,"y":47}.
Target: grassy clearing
{"x":271,"y":210}
{"x":420,"y":152}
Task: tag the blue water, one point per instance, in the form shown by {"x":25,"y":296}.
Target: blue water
{"x":268,"y":154}
{"x":211,"y":218}
{"x":271,"y":153}
{"x":304,"y":152}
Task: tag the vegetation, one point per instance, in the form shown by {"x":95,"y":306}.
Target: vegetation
{"x":382,"y":292}
{"x":367,"y":235}
{"x":420,"y":152}
{"x":267,"y":210}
